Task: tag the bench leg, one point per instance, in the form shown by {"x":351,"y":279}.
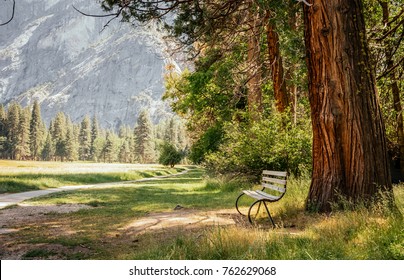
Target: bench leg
{"x":238,"y":200}
{"x":269,"y":214}
{"x":251,"y":215}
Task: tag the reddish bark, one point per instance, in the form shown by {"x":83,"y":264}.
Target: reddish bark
{"x":276,"y":65}
{"x":349,"y":147}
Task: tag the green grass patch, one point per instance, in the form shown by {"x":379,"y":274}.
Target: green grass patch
{"x":354,"y":235}
{"x":38,"y":254}
{"x":40,"y":176}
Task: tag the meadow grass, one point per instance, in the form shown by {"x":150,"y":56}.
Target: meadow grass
{"x":357,"y":234}
{"x":20,"y":176}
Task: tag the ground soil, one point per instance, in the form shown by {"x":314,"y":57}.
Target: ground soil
{"x":17,"y":218}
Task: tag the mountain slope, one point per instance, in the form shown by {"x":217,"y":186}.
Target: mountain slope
{"x":68,"y":62}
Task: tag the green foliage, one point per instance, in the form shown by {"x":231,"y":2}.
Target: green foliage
{"x":274,"y":143}
{"x":48,"y":148}
{"x":36,"y":131}
{"x":209,"y":142}
{"x":38,"y":254}
{"x":170,"y":155}
{"x":384,"y":21}
{"x":94,"y":136}
{"x":71,"y":144}
{"x":143,"y":135}
{"x":85,"y":139}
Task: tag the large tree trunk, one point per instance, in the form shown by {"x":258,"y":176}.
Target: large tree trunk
{"x":349,"y":148}
{"x":276,"y":65}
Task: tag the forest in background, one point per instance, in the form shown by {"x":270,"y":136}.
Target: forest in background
{"x":25,"y":136}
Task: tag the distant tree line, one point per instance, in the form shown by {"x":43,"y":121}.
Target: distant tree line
{"x":25,"y":136}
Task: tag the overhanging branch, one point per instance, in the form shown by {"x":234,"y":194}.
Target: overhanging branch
{"x":12,"y":15}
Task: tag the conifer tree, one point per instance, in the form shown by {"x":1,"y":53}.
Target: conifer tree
{"x":125,"y":152}
{"x":3,"y":121}
{"x":3,"y":132}
{"x":13,"y":120}
{"x":108,"y":150}
{"x":85,"y":139}
{"x":23,"y":146}
{"x":48,"y":149}
{"x":59,"y":135}
{"x":94,"y":136}
{"x":171,"y":134}
{"x":36,"y":131}
{"x":70,"y":143}
{"x":144,"y":134}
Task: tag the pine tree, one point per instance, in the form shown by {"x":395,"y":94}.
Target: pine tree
{"x":23,"y":146}
{"x":124,"y":152}
{"x":3,"y":132}
{"x":70,"y":143}
{"x":108,"y":150}
{"x":85,"y":139}
{"x":94,"y":136}
{"x":36,"y":131}
{"x":144,"y":134}
{"x":13,"y":121}
{"x":171,"y":135}
{"x":48,"y":149}
{"x":59,"y":135}
{"x":3,"y":121}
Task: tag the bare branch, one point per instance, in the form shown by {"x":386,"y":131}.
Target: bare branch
{"x":99,"y":16}
{"x":12,"y":15}
{"x":388,"y":71}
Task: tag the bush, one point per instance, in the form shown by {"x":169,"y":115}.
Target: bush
{"x":169,"y":155}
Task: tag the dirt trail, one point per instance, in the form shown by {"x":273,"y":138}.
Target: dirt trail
{"x":15,"y":198}
{"x":22,"y":217}
{"x":184,"y":218}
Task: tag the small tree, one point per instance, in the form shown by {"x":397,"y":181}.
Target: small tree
{"x":170,"y":155}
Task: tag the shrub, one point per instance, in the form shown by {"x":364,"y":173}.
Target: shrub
{"x":169,"y":155}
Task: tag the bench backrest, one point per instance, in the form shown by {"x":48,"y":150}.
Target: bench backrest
{"x":274,"y":182}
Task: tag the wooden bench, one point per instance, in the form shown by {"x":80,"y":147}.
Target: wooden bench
{"x":273,"y":185}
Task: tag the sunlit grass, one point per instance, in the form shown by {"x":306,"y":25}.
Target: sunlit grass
{"x":20,"y":176}
{"x":355,"y":235}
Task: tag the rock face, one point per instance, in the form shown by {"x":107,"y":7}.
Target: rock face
{"x":67,"y":61}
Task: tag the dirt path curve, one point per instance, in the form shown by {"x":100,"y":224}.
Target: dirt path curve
{"x":15,"y":198}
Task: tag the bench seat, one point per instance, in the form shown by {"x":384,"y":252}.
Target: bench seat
{"x":273,"y":185}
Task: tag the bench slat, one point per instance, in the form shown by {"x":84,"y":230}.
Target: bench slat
{"x":274,"y":180}
{"x":268,"y":196}
{"x":275,"y":173}
{"x":260,"y":195}
{"x":276,"y":188}
{"x":253,"y":194}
